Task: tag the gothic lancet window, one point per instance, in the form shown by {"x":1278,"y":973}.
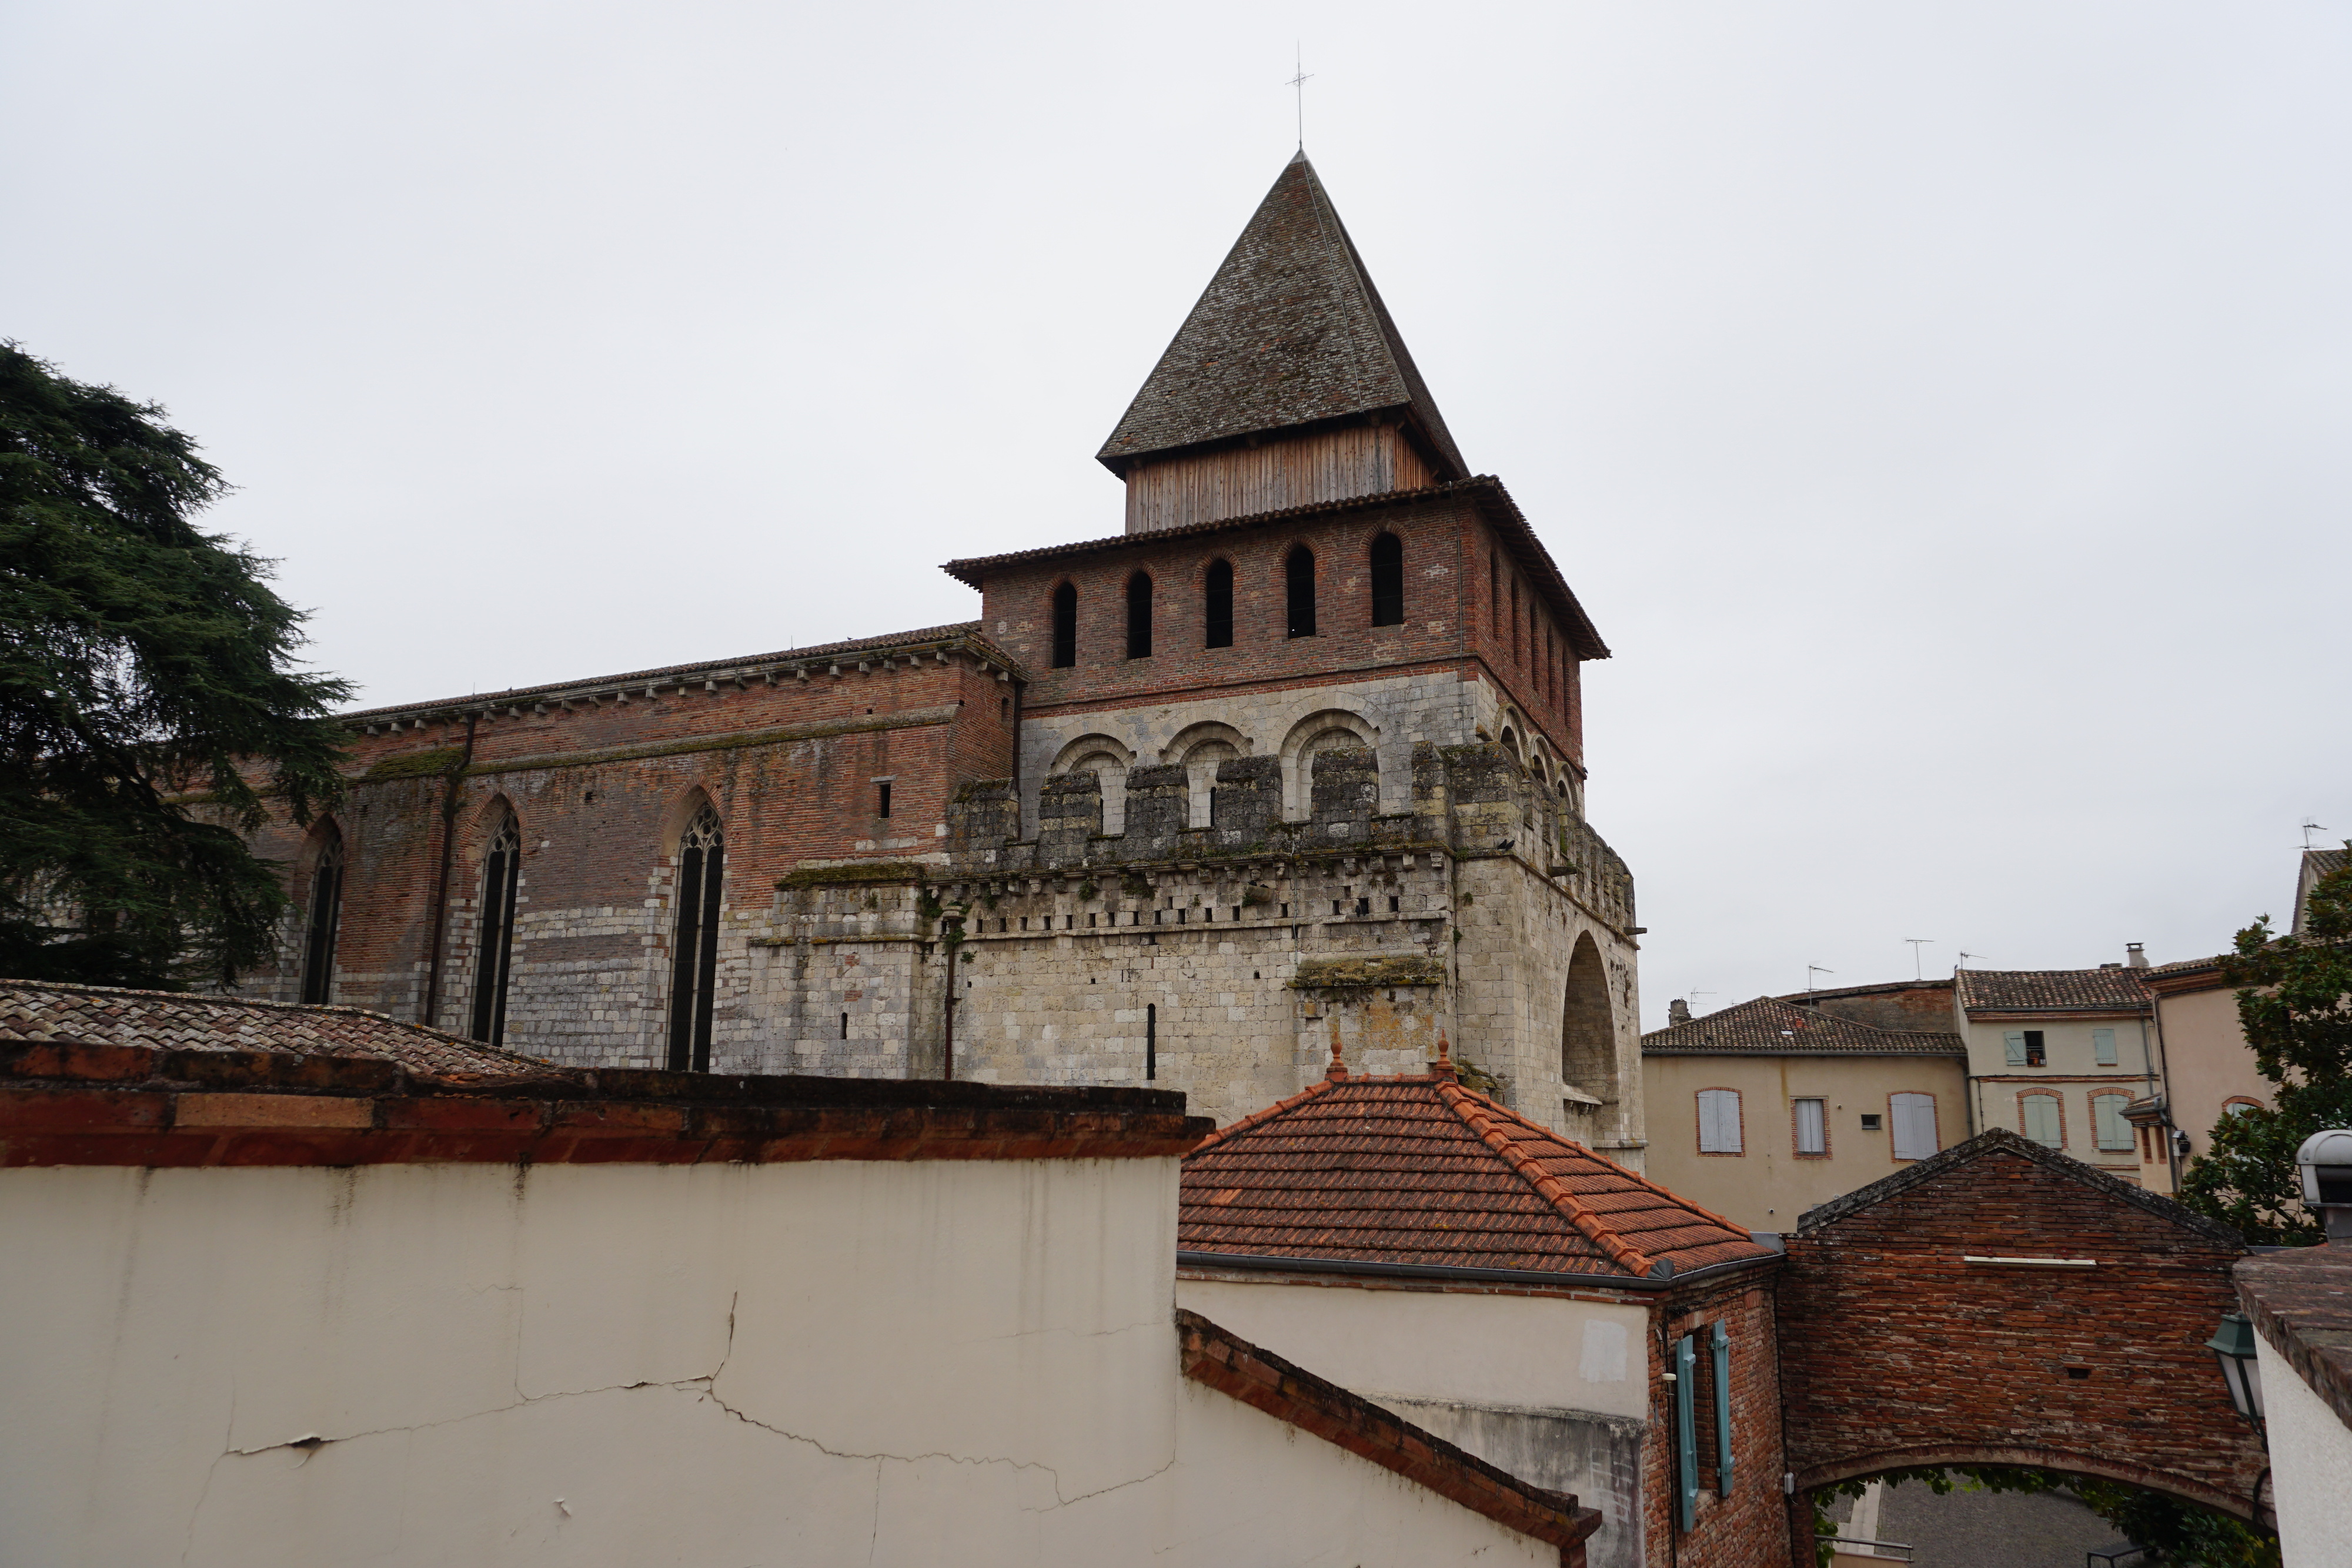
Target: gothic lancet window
{"x":326,"y":908}
{"x":1299,"y":575}
{"x":1138,"y":616}
{"x":501,"y":871}
{"x":1066,"y":626}
{"x":1217,"y":606}
{"x":1388,"y":581}
{"x":694,"y":965}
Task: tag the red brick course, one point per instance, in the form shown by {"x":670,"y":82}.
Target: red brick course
{"x":1899,"y":1352}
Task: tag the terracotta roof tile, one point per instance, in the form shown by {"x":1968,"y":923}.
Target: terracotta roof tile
{"x":178,"y":1020}
{"x":2115,"y":990}
{"x":1418,"y":1170}
{"x":1770,"y":1026}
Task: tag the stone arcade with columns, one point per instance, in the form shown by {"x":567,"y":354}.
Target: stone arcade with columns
{"x":1295,"y":759}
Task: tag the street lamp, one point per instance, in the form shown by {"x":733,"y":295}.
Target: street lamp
{"x":2232,"y":1345}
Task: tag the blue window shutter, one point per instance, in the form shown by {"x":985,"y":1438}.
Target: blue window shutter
{"x":1721,"y":1343}
{"x":2015,"y":1041}
{"x":1685,"y":1433}
{"x":2103,"y":1046}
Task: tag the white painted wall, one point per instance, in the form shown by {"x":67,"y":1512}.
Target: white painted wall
{"x":1529,"y":1352}
{"x":2311,"y":1466}
{"x":633,"y":1364}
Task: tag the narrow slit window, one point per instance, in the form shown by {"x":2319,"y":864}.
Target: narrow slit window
{"x":1138,"y":616}
{"x":501,"y":875}
{"x":1516,"y":657}
{"x":1150,"y":1041}
{"x":1388,"y":581}
{"x":1298,"y":580}
{"x":326,"y":915}
{"x":1217,"y":606}
{"x":1066,"y":626}
{"x":882,"y":797}
{"x":694,"y":961}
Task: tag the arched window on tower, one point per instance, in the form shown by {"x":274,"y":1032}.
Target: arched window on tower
{"x":326,"y":912}
{"x":1138,"y":616}
{"x":1217,"y":606}
{"x":1298,"y":577}
{"x":501,"y":873}
{"x":694,"y":963}
{"x":1066,"y":626}
{"x":1388,"y":581}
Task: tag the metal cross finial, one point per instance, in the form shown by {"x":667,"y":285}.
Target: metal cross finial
{"x":1916,"y":943}
{"x":1298,"y":84}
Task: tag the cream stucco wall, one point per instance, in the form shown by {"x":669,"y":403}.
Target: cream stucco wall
{"x":1767,"y":1184}
{"x":2207,"y":1062}
{"x":634,"y":1365}
{"x":1553,"y":1389}
{"x":2070,"y":1071}
{"x":2311,"y":1466}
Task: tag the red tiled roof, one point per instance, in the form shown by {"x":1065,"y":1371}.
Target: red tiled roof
{"x":178,"y":1020}
{"x":1770,"y":1026}
{"x":1419,"y":1171}
{"x":2115,"y":990}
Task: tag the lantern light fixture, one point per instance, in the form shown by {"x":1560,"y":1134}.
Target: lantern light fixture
{"x":2232,"y":1345}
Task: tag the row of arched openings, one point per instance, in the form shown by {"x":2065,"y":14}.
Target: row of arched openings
{"x":1387,"y":576}
{"x":694,"y":977}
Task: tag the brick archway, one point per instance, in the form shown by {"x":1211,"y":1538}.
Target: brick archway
{"x":2000,"y":1303}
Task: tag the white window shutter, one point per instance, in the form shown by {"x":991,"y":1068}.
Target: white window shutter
{"x":2114,"y":1132}
{"x":2103,"y":1046}
{"x":1718,"y":1122}
{"x":2015,"y":1041}
{"x":1914,"y":1126}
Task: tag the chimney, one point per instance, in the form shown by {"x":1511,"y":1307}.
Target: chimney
{"x":1678,"y":1013}
{"x":2133,"y":957}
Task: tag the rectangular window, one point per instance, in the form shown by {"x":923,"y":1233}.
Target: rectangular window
{"x":882,"y":798}
{"x":2107,"y":1123}
{"x":2034,"y":1057}
{"x":2043,"y":1124}
{"x":2024,"y":1047}
{"x":1914,"y":1125}
{"x":2103,"y":1047}
{"x":1870,"y":1121}
{"x":1718,"y":1122}
{"x":1813,"y":1128}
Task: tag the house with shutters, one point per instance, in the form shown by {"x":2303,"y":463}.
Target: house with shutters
{"x":1540,"y":1305}
{"x":2059,"y":1055}
{"x":1763,"y":1110}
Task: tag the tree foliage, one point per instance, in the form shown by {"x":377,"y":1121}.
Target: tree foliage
{"x":2295,"y":1006}
{"x":141,"y":663}
{"x":2185,"y":1533}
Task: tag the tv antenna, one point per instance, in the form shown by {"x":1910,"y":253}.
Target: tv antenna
{"x":1916,"y":943}
{"x":2309,"y":827}
{"x":1966,"y":956}
{"x":1812,"y":970}
{"x":1298,"y":84}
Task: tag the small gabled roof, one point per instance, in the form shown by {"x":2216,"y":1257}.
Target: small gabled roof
{"x":1417,"y":1172}
{"x":1290,"y":331}
{"x":1770,"y":1026}
{"x":2115,"y":990}
{"x":2002,"y":1141}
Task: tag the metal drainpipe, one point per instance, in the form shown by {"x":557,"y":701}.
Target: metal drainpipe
{"x":450,"y":781}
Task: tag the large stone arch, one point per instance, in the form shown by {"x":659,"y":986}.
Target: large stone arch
{"x":1109,"y":760}
{"x":1325,"y":729}
{"x":2073,"y":1461}
{"x":1588,"y":1045}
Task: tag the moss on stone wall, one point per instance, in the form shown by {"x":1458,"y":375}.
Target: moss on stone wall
{"x":418,"y":763}
{"x":1361,"y":974}
{"x":860,"y":873}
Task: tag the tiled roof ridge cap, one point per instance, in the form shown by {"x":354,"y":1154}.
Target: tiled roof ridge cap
{"x":1831,"y":1022}
{"x":1256,"y":1118}
{"x":966,"y":631}
{"x":1476,"y":1112}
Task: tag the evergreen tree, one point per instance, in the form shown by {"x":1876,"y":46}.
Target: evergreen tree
{"x":2295,"y":1004}
{"x":141,"y":662}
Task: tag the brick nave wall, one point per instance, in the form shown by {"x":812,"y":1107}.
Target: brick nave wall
{"x":1747,"y":1528}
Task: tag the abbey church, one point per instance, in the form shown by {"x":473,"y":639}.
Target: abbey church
{"x":1290,"y":765}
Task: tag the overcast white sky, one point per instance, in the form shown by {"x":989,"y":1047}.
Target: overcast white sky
{"x":1941,"y":409}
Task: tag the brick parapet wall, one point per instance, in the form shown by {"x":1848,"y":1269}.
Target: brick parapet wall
{"x":1899,"y":1352}
{"x":1744,"y":1529}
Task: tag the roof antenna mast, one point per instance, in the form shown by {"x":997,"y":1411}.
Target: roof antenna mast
{"x":1298,"y":84}
{"x":2309,"y":827}
{"x":1916,"y":943}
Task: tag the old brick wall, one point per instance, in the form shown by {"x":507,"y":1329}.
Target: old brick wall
{"x":1897,"y":1351}
{"x":1747,"y":1529}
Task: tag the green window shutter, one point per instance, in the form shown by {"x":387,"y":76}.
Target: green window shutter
{"x":2103,"y":1046}
{"x":1721,"y":1343}
{"x":2042,"y":1123}
{"x":2108,"y":1121}
{"x":2015,"y":1041}
{"x":1685,"y":1433}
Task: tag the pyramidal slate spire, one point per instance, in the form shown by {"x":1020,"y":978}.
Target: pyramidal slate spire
{"x":1290,"y":342}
